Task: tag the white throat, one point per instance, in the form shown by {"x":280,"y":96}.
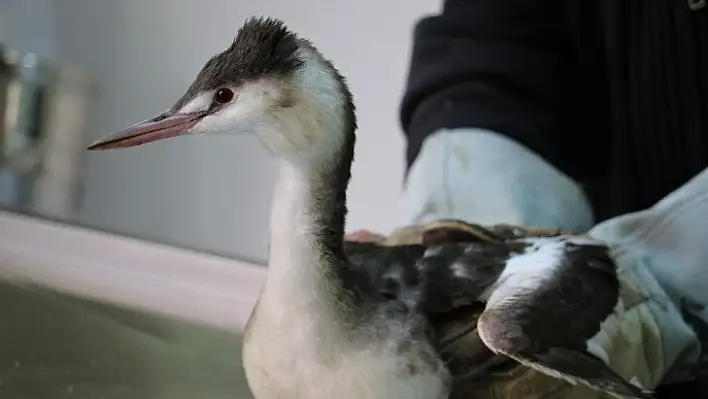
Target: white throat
{"x":292,"y":250}
{"x":308,"y":138}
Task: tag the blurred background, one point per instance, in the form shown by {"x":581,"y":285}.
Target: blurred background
{"x":133,"y":58}
{"x":74,"y":70}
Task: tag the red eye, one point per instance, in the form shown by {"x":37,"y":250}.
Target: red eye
{"x":223,"y":96}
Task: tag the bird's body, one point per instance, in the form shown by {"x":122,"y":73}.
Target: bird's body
{"x":385,"y":322}
{"x":305,"y":340}
{"x":287,"y":356}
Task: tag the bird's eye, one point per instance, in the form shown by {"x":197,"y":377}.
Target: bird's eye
{"x":223,"y":96}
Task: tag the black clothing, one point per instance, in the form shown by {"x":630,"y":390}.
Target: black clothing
{"x":613,"y":93}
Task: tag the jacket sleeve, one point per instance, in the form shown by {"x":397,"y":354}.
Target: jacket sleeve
{"x":500,"y":65}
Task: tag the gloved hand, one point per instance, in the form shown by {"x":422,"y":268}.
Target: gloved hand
{"x":477,"y":175}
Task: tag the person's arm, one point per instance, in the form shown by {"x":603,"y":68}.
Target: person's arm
{"x":494,"y":67}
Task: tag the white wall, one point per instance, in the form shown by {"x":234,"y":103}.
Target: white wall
{"x":214,"y":193}
{"x":28,"y":26}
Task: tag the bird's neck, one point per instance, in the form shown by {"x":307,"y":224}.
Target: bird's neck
{"x":307,"y":260}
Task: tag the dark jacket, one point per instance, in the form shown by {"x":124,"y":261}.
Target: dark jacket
{"x":612,"y":92}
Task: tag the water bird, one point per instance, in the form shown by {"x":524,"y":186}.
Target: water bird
{"x":325,"y":326}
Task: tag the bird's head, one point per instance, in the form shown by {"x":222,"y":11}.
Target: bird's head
{"x":269,"y":83}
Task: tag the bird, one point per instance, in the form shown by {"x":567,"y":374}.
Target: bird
{"x":325,"y":325}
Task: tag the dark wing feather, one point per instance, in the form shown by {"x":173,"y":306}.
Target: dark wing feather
{"x":591,"y":371}
{"x":460,"y":347}
{"x":585,"y":290}
{"x":547,"y":327}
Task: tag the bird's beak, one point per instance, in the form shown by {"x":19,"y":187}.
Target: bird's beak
{"x":163,"y":126}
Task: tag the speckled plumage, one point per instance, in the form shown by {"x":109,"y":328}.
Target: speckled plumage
{"x":455,"y":262}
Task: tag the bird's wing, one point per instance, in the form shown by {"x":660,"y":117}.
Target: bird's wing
{"x":590,"y":370}
{"x":455,"y":275}
{"x":549,"y":301}
{"x":457,"y":268}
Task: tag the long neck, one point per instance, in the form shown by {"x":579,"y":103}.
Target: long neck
{"x":307,"y":229}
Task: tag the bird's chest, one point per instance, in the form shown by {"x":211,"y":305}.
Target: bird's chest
{"x":299,"y":362}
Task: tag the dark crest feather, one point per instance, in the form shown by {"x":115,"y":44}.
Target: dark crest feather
{"x":262,"y":48}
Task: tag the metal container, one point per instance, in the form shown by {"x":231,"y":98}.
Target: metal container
{"x":43,"y":117}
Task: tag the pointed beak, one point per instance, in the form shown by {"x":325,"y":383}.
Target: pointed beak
{"x":163,"y":126}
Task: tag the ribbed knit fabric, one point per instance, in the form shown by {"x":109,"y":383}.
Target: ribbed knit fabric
{"x":656,"y":70}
